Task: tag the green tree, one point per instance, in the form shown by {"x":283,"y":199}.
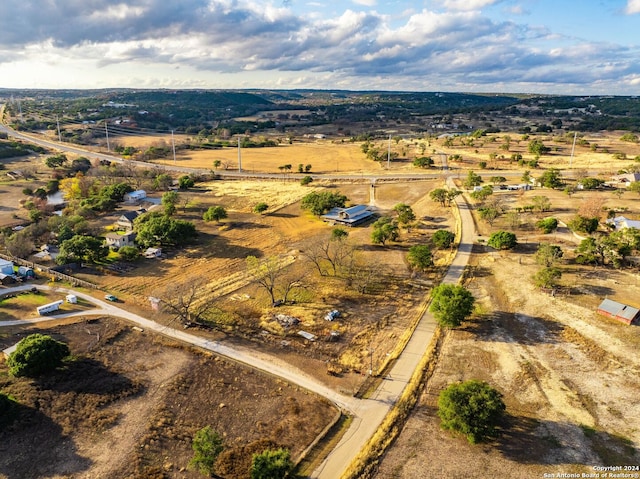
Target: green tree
{"x":384,"y":229}
{"x":547,"y":277}
{"x":591,"y":183}
{"x":439,"y":195}
{"x":260,"y":207}
{"x":547,"y":225}
{"x":271,"y":464}
{"x":423,"y":162}
{"x":538,"y":148}
{"x":497,"y":179}
{"x":82,"y":248}
{"x":162,"y":182}
{"x":443,"y":239}
{"x":185,"y":182}
{"x":502,"y":240}
{"x":551,"y":178}
{"x":582,"y":224}
{"x":128,"y":253}
{"x":157,"y":229}
{"x":321,"y":202}
{"x":489,"y":214}
{"x":169,"y":201}
{"x":541,"y":203}
{"x":472,"y":408}
{"x":451,"y":304}
{"x":37,"y":354}
{"x":472,"y":180}
{"x":207,"y":445}
{"x":526,"y":177}
{"x":56,"y":161}
{"x":420,"y":257}
{"x":306,"y":180}
{"x":215,"y":213}
{"x":338,"y":234}
{"x":482,"y":194}
{"x":548,"y":254}
{"x":405,"y":213}
{"x":634,"y":186}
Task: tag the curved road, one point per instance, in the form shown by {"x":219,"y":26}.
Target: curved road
{"x":367,"y":413}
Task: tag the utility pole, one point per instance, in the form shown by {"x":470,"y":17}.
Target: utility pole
{"x":58,"y":124}
{"x":106,"y":132}
{"x":173,"y":145}
{"x":575,"y":136}
{"x":389,"y":154}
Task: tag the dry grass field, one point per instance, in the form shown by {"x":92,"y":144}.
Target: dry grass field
{"x":114,"y":412}
{"x":569,"y":377}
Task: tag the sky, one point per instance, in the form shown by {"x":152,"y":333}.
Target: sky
{"x":581,"y":47}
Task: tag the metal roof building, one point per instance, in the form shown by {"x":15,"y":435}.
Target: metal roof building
{"x":621,"y":312}
{"x":349,"y":216}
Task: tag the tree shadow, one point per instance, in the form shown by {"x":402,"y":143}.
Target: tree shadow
{"x":32,"y":445}
{"x":247,"y":225}
{"x":503,"y":326}
{"x":530,"y":441}
{"x":88,"y":376}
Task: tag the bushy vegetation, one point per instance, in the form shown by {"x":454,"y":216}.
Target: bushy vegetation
{"x":502,"y":240}
{"x":37,"y":354}
{"x":319,"y":203}
{"x":472,"y":408}
{"x":451,"y":304}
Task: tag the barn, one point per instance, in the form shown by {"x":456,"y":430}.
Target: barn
{"x":619,"y":311}
{"x":348,"y":216}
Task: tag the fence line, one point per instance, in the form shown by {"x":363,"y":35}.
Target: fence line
{"x":47,"y":270}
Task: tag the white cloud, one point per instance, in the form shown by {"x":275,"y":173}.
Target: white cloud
{"x":633,"y":7}
{"x":467,"y":5}
{"x":366,"y":3}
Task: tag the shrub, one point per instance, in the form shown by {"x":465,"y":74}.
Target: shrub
{"x":502,"y":240}
{"x":472,"y":408}
{"x":37,"y":354}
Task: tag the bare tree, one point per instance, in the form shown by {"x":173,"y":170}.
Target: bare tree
{"x":329,"y":254}
{"x":271,"y":274}
{"x":185,"y":302}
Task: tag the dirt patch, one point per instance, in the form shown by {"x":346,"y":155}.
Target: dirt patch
{"x":115,"y":413}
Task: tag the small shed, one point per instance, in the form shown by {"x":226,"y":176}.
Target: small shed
{"x":6,"y":267}
{"x":72,"y":298}
{"x":619,"y":311}
{"x":6,"y":279}
{"x":135,"y":196}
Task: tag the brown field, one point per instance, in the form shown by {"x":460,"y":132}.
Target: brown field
{"x":115,"y":413}
{"x":568,"y":375}
{"x":218,"y":258}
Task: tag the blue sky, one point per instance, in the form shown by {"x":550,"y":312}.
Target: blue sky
{"x":533,"y":46}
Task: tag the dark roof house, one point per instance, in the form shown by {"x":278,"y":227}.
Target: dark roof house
{"x":126,"y":218}
{"x":621,"y":312}
{"x":348,"y":216}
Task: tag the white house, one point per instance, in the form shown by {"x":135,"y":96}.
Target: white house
{"x":115,"y":240}
{"x":620,"y":223}
{"x":624,"y":180}
{"x":6,"y":267}
{"x":135,"y":196}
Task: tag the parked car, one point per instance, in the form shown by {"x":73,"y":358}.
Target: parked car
{"x":110,"y":297}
